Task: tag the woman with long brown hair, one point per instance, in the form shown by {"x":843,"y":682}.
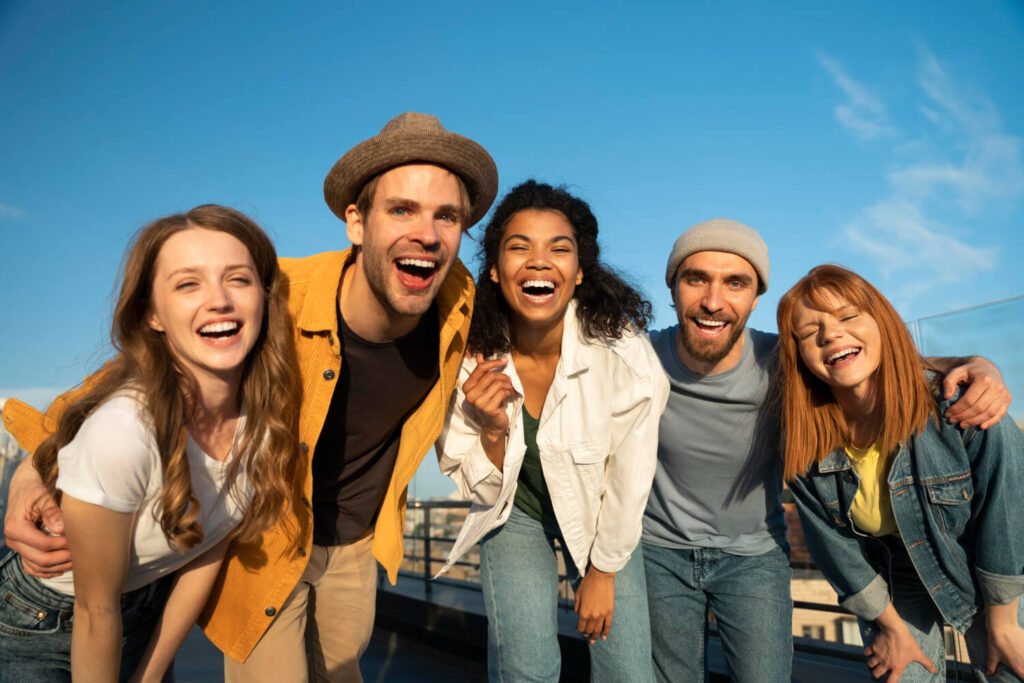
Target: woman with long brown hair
{"x":186,"y":440}
{"x":915,"y":522}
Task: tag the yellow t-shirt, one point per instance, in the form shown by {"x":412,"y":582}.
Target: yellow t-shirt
{"x":872,"y":507}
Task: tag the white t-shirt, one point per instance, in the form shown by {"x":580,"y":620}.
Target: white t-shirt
{"x":113,"y":462}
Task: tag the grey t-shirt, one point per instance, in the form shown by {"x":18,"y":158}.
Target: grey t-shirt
{"x":719,"y":477}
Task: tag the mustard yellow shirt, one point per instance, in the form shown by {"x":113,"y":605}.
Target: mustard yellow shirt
{"x":872,"y":508}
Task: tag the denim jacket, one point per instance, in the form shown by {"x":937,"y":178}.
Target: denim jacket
{"x":956,"y":500}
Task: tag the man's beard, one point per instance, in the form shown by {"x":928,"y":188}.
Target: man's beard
{"x":707,"y":351}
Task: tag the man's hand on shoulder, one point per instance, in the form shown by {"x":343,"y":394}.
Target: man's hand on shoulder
{"x":30,"y":509}
{"x":986,"y":398}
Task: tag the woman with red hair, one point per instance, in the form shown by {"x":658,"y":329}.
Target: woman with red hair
{"x":915,"y":522}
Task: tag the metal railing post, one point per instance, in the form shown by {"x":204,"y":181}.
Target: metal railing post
{"x":426,"y":549}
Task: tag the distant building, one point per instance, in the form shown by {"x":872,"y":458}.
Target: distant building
{"x":10,"y":455}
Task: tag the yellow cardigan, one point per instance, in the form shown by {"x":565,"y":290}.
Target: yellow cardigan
{"x":255,"y":580}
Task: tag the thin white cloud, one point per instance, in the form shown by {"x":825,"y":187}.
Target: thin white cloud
{"x":962,"y":164}
{"x":863,"y":114}
{"x":8,"y":211}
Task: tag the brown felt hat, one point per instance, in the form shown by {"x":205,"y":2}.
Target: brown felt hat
{"x":407,"y":139}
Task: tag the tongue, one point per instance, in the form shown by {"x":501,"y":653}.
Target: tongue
{"x":414,"y":277}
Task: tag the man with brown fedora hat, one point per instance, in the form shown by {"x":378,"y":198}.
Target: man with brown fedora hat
{"x":391,"y":306}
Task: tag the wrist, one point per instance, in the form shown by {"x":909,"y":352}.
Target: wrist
{"x":493,"y":437}
{"x":600,"y":574}
{"x":1000,"y":618}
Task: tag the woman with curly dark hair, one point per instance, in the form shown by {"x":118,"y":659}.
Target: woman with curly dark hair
{"x":558,"y":415}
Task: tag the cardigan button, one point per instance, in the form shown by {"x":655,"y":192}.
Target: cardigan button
{"x":302,"y":552}
{"x":328,"y":374}
{"x":270,"y":611}
{"x":304,"y":447}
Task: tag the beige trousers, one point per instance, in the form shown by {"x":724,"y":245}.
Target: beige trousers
{"x":323,"y":627}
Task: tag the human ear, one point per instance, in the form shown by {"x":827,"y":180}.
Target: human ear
{"x":354,"y":225}
{"x":154,"y":322}
{"x":494,"y":274}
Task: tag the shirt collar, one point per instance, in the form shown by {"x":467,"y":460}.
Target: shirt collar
{"x":319,"y":308}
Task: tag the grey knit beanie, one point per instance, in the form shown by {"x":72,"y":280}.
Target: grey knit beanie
{"x":721,"y":234}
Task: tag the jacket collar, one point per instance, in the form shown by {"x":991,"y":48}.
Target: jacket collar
{"x":319,"y":308}
{"x":576,"y":353}
{"x":835,"y":461}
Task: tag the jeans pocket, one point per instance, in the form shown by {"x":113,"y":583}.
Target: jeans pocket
{"x":21,"y":616}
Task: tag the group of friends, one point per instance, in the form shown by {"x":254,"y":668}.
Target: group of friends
{"x":244,"y":459}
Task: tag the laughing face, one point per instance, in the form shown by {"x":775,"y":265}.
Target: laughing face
{"x":841,"y":345}
{"x":208,"y":302}
{"x":408,"y":241}
{"x":538,"y":268}
{"x":715,"y":292}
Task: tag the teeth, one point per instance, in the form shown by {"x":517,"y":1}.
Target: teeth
{"x":213,"y":328}
{"x":711,"y":323}
{"x":839,"y":354}
{"x":419,"y":263}
{"x":539,"y":284}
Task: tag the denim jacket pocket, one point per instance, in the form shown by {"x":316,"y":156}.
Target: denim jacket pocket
{"x":950,"y":500}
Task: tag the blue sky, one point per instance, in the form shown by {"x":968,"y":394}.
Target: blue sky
{"x":884,"y":136}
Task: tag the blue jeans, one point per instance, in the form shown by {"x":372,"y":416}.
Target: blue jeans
{"x":750,"y":598}
{"x":918,"y":611}
{"x":36,"y":622}
{"x":519,"y":572}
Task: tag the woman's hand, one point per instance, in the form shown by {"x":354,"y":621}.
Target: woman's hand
{"x":1005,"y":638}
{"x":595,"y":604}
{"x":893,"y":648}
{"x":488,"y":390}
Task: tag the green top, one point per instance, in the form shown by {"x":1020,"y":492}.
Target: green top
{"x":532,"y":495}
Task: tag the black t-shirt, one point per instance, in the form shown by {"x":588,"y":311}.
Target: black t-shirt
{"x":379,"y":385}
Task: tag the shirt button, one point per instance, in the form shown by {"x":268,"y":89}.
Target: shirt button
{"x":328,"y":374}
{"x":848,"y":477}
{"x":270,"y":611}
{"x":304,"y":447}
{"x":302,"y":552}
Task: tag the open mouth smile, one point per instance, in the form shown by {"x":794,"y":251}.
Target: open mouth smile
{"x":538,"y":291}
{"x":709,"y":327}
{"x":223,"y":331}
{"x":414,"y":272}
{"x":843,"y":356}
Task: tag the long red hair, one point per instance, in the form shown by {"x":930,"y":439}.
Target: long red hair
{"x":813,"y":425}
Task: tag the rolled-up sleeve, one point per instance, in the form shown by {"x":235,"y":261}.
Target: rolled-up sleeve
{"x":839,"y":556}
{"x":997,"y":463}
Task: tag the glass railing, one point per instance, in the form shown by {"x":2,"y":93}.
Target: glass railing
{"x":994,"y":330}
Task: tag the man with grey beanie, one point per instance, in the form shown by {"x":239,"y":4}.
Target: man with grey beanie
{"x":714,"y":535}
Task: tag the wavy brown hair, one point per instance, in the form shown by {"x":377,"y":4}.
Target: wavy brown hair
{"x":813,"y":424}
{"x":267,"y":447}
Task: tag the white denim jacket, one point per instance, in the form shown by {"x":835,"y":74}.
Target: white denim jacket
{"x":598,"y":442}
